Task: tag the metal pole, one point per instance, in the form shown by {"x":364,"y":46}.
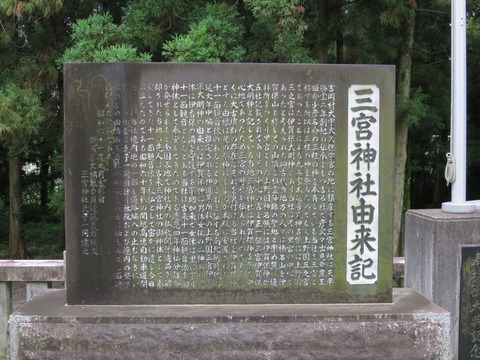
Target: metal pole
{"x":459,"y":110}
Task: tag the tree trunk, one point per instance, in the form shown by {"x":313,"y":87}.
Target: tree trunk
{"x":17,"y":248}
{"x":322,"y":31}
{"x":44,"y":183}
{"x":401,"y":128}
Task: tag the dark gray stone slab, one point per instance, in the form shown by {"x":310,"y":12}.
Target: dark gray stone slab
{"x":410,"y":328}
{"x":469,"y":312}
{"x":433,"y":241}
{"x":228,"y":183}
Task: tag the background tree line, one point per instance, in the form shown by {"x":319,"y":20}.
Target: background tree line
{"x":36,"y":37}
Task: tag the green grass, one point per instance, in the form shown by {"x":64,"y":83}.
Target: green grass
{"x":41,"y":239}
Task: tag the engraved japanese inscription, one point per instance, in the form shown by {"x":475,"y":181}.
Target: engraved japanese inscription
{"x":227,"y":183}
{"x":469,"y":322}
{"x":363,"y":179}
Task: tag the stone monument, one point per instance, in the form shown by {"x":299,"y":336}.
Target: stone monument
{"x":229,"y":207}
{"x":230,"y":183}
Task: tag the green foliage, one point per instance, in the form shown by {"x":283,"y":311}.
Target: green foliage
{"x":137,"y":20}
{"x":287,"y":14}
{"x":57,"y":200}
{"x":42,"y":238}
{"x":214,"y":38}
{"x":150,"y":22}
{"x":415,"y":107}
{"x":277,"y":35}
{"x":473,"y":147}
{"x":20,"y":115}
{"x":34,"y":212}
{"x":120,"y":53}
{"x":14,"y":8}
{"x":473,"y":29}
{"x":376,"y":40}
{"x":15,"y":17}
{"x":395,"y":13}
{"x":36,"y":73}
{"x":97,"y":31}
{"x":41,"y":233}
{"x":98,"y":39}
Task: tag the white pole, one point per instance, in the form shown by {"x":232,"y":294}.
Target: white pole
{"x":459,"y":110}
{"x":459,"y":93}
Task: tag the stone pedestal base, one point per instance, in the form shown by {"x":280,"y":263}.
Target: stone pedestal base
{"x":410,"y":328}
{"x":432,"y":253}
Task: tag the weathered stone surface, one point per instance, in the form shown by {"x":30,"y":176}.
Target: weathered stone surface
{"x":229,"y":183}
{"x":37,"y":272}
{"x":31,"y":270}
{"x":432,"y":255}
{"x":410,"y":328}
{"x":469,"y":312}
{"x":398,"y":267}
{"x":5,"y":311}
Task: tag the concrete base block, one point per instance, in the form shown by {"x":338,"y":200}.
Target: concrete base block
{"x":33,"y":288}
{"x":432,"y":253}
{"x":5,"y":311}
{"x":410,"y":328}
